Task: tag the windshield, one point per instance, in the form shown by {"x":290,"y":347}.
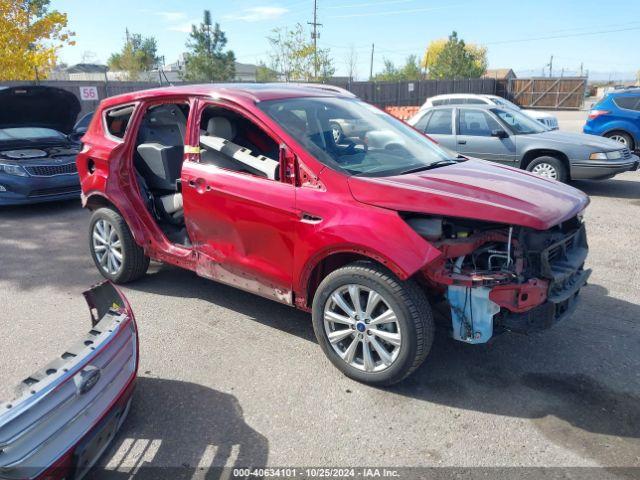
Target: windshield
{"x":30,"y":134}
{"x":503,"y":102}
{"x":519,"y":123}
{"x":353,"y":136}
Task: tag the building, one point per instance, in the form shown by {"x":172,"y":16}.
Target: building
{"x":500,"y":74}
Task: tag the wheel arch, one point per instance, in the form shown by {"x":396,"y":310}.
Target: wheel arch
{"x":622,"y":129}
{"x":322,"y":265}
{"x":95,"y":200}
{"x":534,"y":153}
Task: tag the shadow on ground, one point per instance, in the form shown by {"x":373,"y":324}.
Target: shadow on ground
{"x":191,"y":432}
{"x":613,"y":188}
{"x":577,"y":382}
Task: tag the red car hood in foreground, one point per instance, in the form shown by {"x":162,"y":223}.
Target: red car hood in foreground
{"x":475,"y":189}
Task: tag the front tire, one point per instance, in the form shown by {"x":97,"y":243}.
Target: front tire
{"x":549,"y":167}
{"x":113,"y":249}
{"x":372,"y":326}
{"x":337,"y":133}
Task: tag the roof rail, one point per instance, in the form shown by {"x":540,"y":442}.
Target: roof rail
{"x":328,"y":88}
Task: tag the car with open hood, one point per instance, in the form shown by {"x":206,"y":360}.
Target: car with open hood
{"x":37,"y":146}
{"x":509,"y":137}
{"x":65,"y":415}
{"x":246,"y":185}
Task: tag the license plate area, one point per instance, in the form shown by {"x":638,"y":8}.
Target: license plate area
{"x":93,"y":446}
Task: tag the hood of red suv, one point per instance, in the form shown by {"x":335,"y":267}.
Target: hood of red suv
{"x":475,"y":189}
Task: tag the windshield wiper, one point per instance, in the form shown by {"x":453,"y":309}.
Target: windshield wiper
{"x":437,"y":164}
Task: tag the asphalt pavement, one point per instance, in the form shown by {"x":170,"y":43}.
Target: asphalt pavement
{"x":228,"y":378}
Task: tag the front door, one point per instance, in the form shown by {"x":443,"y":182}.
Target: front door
{"x":476,"y":137}
{"x":241,"y":220}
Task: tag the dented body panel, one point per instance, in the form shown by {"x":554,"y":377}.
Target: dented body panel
{"x":65,"y":415}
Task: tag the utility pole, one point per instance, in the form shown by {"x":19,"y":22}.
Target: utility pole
{"x":581,"y":69}
{"x":314,"y":36}
{"x":373,"y":47}
{"x":551,"y":67}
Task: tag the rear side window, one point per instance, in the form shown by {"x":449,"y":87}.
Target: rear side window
{"x":117,"y":120}
{"x":475,"y":101}
{"x":440,"y":122}
{"x":422,"y":123}
{"x":629,"y":103}
{"x":436,"y":103}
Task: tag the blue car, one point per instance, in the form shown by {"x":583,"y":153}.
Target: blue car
{"x":37,"y":146}
{"x":617,"y":116}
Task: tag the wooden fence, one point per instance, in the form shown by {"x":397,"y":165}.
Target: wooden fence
{"x":547,"y":93}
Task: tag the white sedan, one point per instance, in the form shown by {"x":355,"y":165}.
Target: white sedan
{"x":546,"y":119}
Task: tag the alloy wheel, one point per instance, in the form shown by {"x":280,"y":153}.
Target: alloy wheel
{"x":337,"y":133}
{"x":545,"y":170}
{"x":620,"y":138}
{"x":107,"y":247}
{"x":362,"y":328}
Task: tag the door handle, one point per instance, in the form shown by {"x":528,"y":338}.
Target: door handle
{"x":310,"y":219}
{"x":462,"y":142}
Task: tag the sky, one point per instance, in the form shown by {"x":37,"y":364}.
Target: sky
{"x":522,"y":34}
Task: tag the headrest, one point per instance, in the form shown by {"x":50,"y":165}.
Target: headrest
{"x":221,"y":127}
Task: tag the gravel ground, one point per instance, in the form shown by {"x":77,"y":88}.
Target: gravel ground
{"x":228,"y":377}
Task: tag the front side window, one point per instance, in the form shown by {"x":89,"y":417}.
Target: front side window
{"x":440,"y":122}
{"x":231,"y":141}
{"x":422,"y":123}
{"x":519,"y":123}
{"x":477,"y":123}
{"x":380,"y":146}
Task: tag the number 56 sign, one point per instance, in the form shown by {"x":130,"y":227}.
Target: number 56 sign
{"x":89,"y":93}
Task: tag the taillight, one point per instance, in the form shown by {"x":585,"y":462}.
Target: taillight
{"x":596,"y":113}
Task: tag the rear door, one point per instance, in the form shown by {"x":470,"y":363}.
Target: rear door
{"x":475,"y":137}
{"x":438,"y":124}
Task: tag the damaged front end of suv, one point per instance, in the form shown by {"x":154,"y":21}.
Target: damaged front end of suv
{"x":500,"y":278}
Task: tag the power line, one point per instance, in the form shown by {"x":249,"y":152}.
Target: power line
{"x":553,"y":37}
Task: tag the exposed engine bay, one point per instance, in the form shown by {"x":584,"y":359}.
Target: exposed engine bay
{"x":502,"y":277}
{"x":31,"y":153}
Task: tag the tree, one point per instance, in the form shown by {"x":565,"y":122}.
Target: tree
{"x":352,"y":63}
{"x":454,"y":58}
{"x":207,"y":59}
{"x":390,"y":73}
{"x":139,"y":54}
{"x":30,"y":38}
{"x":265,"y":74}
{"x":293,"y":56}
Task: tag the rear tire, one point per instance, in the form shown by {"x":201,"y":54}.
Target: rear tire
{"x":549,"y":167}
{"x":623,"y":138}
{"x":115,"y":253}
{"x":394,"y":324}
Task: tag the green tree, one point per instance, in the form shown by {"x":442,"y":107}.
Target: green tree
{"x":293,"y":56}
{"x":139,"y":54}
{"x":265,"y":74}
{"x":207,"y":60}
{"x":390,"y":73}
{"x":30,"y":38}
{"x":455,"y":59}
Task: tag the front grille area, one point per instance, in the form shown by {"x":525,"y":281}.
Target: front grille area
{"x":45,"y":192}
{"x":52,"y":170}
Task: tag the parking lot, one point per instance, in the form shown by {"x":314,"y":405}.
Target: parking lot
{"x":228,"y":378}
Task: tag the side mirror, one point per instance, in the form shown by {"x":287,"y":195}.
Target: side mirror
{"x":288,"y":165}
{"x":499,"y":133}
{"x":77,"y":134}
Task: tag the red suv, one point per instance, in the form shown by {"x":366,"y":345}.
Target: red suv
{"x":247,"y":185}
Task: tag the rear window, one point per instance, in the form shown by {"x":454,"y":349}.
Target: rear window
{"x":630,"y":103}
{"x":117,"y":120}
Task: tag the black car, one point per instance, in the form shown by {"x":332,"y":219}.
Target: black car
{"x":38,"y":146}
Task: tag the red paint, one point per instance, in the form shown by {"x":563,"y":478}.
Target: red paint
{"x":522,"y":297}
{"x":268,"y":237}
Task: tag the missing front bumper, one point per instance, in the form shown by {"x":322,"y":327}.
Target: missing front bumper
{"x":53,"y":426}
